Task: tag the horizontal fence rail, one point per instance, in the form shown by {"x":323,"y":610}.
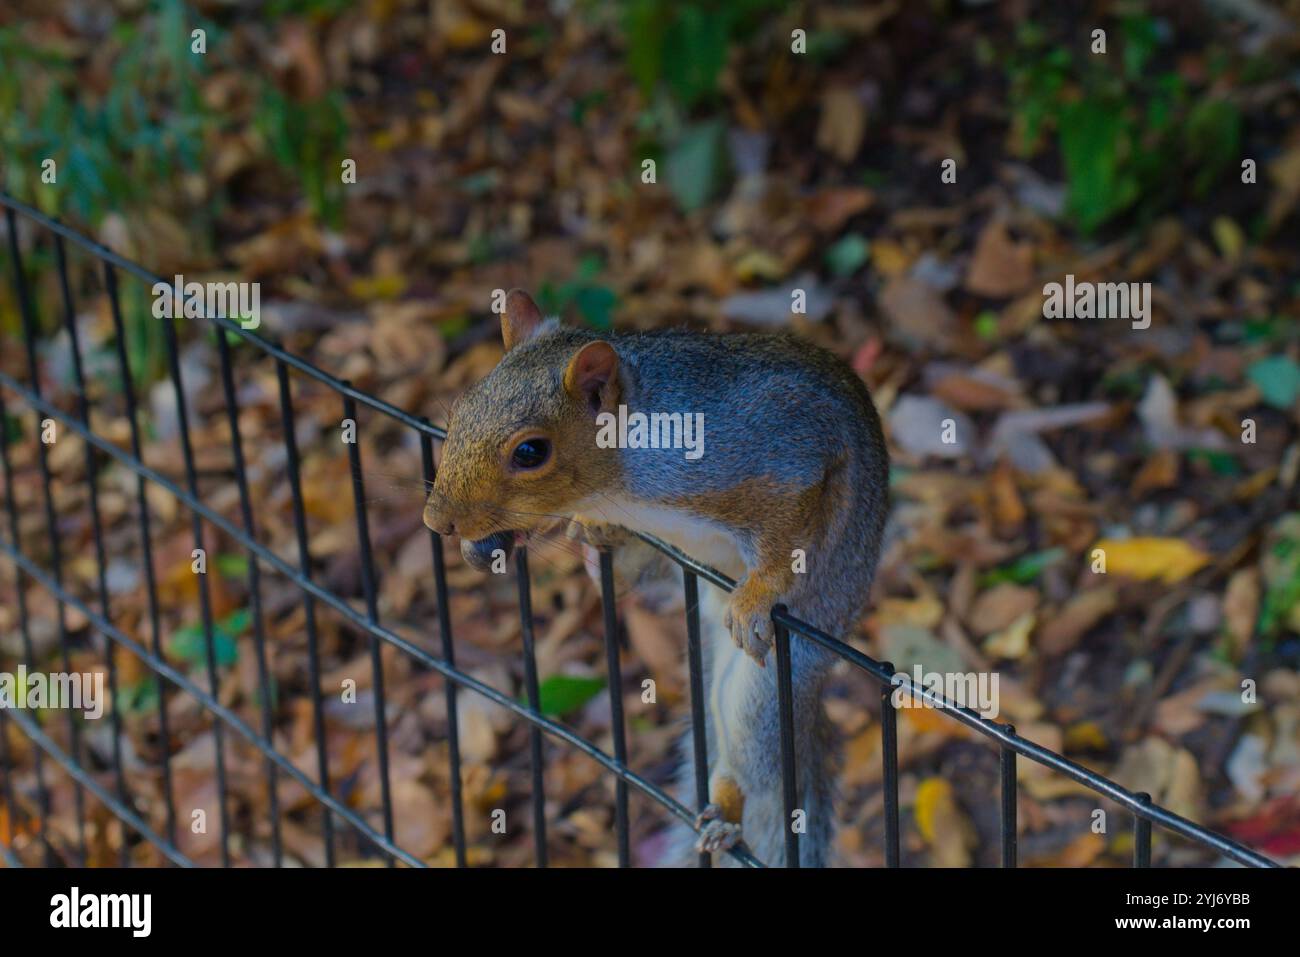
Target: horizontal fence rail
{"x":366,"y":620}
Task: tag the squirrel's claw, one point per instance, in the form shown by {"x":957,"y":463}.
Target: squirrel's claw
{"x":749,"y":619}
{"x":716,"y":833}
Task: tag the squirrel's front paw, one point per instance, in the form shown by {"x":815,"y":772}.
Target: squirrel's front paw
{"x":595,"y":534}
{"x":716,"y":833}
{"x":749,"y":618}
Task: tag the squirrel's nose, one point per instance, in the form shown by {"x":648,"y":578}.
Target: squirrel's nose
{"x":444,"y":527}
{"x":437,"y":522}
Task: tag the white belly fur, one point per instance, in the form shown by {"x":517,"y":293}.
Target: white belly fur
{"x":700,"y":538}
{"x":733,"y":675}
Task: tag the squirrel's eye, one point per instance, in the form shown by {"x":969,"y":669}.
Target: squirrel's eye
{"x":530,"y":454}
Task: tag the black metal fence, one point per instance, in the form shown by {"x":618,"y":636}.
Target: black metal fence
{"x":33,"y":804}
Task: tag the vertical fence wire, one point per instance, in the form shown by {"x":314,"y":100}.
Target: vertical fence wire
{"x":146,"y":543}
{"x":265,"y":690}
{"x":97,"y":531}
{"x":308,"y":602}
{"x":372,"y":616}
{"x":699,"y":733}
{"x":1007,"y":766}
{"x":785,"y":705}
{"x":534,"y":703}
{"x":449,"y":656}
{"x":615,"y":701}
{"x":28,"y":318}
{"x":205,"y":598}
{"x":24,"y":630}
{"x":1142,"y":834}
{"x":889,"y":768}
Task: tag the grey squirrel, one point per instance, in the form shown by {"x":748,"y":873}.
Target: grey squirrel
{"x":793,"y":466}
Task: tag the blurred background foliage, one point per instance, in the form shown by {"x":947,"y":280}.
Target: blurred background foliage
{"x":1125,"y":138}
{"x":153,"y":132}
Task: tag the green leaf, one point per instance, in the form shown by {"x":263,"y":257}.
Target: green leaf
{"x":1213,"y":136}
{"x":138,"y":697}
{"x":1282,"y":579}
{"x":232,"y":566}
{"x":590,"y":265}
{"x":1141,"y":37}
{"x":561,"y":694}
{"x":695,"y":165}
{"x":12,"y":431}
{"x":596,"y":303}
{"x":1093,"y":135}
{"x":1278,"y":380}
{"x":848,"y":255}
{"x":644,"y":24}
{"x":1220,"y":463}
{"x":1264,"y":329}
{"x":694,"y":52}
{"x":1024,"y":569}
{"x":189,"y":644}
{"x":986,"y":326}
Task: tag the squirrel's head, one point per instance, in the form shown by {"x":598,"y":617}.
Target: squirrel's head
{"x":521,"y":444}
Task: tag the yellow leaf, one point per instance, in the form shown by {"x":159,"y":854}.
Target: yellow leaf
{"x":377,"y":287}
{"x":1169,"y":559}
{"x":889,"y":258}
{"x":757,"y":264}
{"x":943,"y":824}
{"x":1228,"y":236}
{"x":933,"y":800}
{"x":1085,"y":736}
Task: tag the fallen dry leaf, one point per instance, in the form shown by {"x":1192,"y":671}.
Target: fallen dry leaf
{"x":1063,"y":630}
{"x":1241,"y":608}
{"x":943,"y":824}
{"x":1000,"y":267}
{"x":1168,"y":559}
{"x":843,"y":123}
{"x":1001,"y":605}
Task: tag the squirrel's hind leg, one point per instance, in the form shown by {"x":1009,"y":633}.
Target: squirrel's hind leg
{"x":719,"y":823}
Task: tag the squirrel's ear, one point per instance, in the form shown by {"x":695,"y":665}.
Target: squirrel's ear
{"x":592,"y":376}
{"x":520,"y":318}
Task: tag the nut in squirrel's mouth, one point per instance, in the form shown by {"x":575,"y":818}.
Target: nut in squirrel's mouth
{"x":481,"y":553}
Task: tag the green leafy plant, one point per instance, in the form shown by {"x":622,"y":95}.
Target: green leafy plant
{"x":1281,"y":567}
{"x":141,"y":145}
{"x":685,"y":44}
{"x":117,"y":151}
{"x":306,"y":138}
{"x":676,"y":52}
{"x":1129,"y":139}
